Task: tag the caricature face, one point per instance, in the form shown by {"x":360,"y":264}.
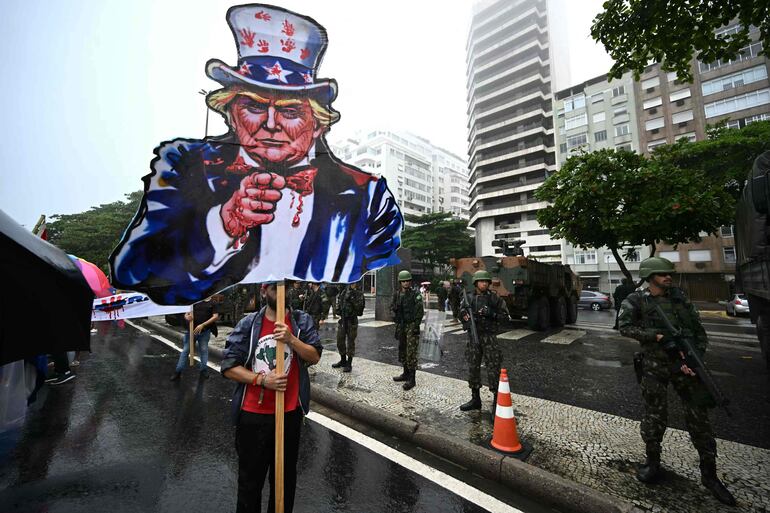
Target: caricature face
{"x":277,"y":129}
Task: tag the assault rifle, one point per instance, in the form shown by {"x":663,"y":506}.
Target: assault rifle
{"x":472,"y":332}
{"x":694,"y":361}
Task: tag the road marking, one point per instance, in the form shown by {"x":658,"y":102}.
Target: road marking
{"x":736,"y":336}
{"x":564,"y":337}
{"x":169,"y":343}
{"x":453,"y":330}
{"x":515,"y":334}
{"x":375,"y":324}
{"x":736,"y":347}
{"x":447,"y":482}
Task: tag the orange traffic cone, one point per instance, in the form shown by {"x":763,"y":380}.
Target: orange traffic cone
{"x":505,"y":437}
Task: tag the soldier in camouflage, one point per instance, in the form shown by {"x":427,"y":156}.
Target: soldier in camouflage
{"x":314,"y":304}
{"x":488,"y":309}
{"x":407,"y":312}
{"x":295,"y":298}
{"x":350,"y":304}
{"x":663,"y":364}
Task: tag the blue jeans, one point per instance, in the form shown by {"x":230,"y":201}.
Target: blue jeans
{"x":202,"y":341}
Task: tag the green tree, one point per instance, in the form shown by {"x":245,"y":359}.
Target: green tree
{"x":436,"y":238}
{"x":619,"y":198}
{"x":637,"y":32}
{"x":725,"y":156}
{"x":93,"y":234}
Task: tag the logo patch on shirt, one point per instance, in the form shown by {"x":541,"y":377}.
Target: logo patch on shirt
{"x":265,"y":355}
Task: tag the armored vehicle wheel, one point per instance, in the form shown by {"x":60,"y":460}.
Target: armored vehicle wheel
{"x":558,"y":312}
{"x":538,"y":314}
{"x":572,"y":310}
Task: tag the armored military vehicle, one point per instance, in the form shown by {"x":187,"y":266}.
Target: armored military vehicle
{"x":546,"y":294}
{"x":752,"y":247}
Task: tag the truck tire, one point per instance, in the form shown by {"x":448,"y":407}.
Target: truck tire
{"x":558,"y":312}
{"x":538,"y":314}
{"x":572,"y":310}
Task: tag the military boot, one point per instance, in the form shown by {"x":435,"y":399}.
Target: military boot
{"x":409,"y":384}
{"x":403,"y":376}
{"x":649,"y":471}
{"x":340,"y":363}
{"x":348,"y":365}
{"x":708,"y":476}
{"x":474,"y":403}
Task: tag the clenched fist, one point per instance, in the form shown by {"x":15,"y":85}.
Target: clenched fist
{"x":252,"y":204}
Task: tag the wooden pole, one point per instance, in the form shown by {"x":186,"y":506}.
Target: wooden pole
{"x":280,"y":309}
{"x":192,"y":336}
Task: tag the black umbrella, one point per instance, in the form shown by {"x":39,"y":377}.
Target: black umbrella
{"x":45,"y":304}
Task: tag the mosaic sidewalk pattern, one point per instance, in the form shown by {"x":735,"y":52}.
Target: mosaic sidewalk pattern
{"x":595,"y":449}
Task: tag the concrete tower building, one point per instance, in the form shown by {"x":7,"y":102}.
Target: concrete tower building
{"x":510,"y":122}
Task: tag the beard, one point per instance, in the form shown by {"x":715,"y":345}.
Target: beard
{"x":271,"y":302}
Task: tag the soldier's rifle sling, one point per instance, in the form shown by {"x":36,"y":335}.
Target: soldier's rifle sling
{"x":473,"y":333}
{"x":699,"y":366}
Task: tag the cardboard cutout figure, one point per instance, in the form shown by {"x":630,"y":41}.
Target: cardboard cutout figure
{"x":268,"y":200}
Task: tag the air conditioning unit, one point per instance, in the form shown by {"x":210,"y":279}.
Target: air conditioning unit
{"x":679,"y":103}
{"x":653,"y":110}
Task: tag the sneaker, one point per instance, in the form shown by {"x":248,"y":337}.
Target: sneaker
{"x":52,"y":377}
{"x":176,"y":376}
{"x":63,"y":378}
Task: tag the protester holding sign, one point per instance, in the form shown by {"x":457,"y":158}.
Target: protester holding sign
{"x":249,"y":360}
{"x":204,"y":319}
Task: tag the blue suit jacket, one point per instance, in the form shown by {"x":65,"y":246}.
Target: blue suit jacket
{"x":166,"y":251}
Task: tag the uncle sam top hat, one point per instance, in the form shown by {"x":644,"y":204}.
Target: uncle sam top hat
{"x":277,"y":49}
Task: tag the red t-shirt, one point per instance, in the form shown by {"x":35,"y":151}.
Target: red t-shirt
{"x":264,"y":360}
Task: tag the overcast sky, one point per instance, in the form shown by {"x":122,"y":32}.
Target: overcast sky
{"x":90,"y":88}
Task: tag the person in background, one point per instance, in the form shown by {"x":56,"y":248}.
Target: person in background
{"x":407,"y":310}
{"x":351,"y":306}
{"x":314,"y":304}
{"x":204,"y":319}
{"x":622,"y":291}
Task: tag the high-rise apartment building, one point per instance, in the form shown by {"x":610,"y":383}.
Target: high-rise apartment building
{"x":423,"y":177}
{"x":736,"y":91}
{"x":510,"y":123}
{"x":591,"y":116}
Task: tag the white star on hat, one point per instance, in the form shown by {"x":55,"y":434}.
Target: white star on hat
{"x":276,"y":72}
{"x":245,"y":69}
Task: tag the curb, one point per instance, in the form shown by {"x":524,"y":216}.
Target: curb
{"x":533,"y":482}
{"x":538,"y":484}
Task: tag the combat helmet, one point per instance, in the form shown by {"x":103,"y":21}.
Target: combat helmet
{"x":655,"y":265}
{"x":481,"y":276}
{"x":404,"y":276}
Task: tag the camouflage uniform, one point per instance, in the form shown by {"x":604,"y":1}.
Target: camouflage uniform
{"x":293,"y":299}
{"x":455,"y":291}
{"x":407,"y":312}
{"x":488,"y":309}
{"x":350,"y":304}
{"x":638,"y":319}
{"x":314,"y":305}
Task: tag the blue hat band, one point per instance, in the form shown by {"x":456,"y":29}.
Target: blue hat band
{"x":275,"y":71}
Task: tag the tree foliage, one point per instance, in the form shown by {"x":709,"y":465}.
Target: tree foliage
{"x":619,"y":198}
{"x":637,"y":32}
{"x":93,"y":234}
{"x":437,"y":237}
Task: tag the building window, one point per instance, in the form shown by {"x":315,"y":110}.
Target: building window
{"x":599,"y":97}
{"x":699,"y":255}
{"x":585,"y":257}
{"x":680,"y":95}
{"x":599,"y":117}
{"x":653,"y":124}
{"x":652,"y":102}
{"x":577,"y":140}
{"x":622,"y":130}
{"x":653,"y":144}
{"x":575,"y":102}
{"x":671,"y":76}
{"x":758,"y":117}
{"x":726,"y":231}
{"x":650,"y":83}
{"x":599,"y":136}
{"x":746,"y":53}
{"x":670,"y":255}
{"x":729,"y":253}
{"x":690,"y":136}
{"x":617,"y":91}
{"x":736,"y":103}
{"x":576,"y":121}
{"x":619,"y":111}
{"x":681,"y":117}
{"x":624,"y":147}
{"x":744,"y":77}
{"x":733,"y":124}
{"x":563,"y":148}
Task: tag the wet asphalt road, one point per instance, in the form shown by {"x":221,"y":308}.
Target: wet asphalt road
{"x":122,"y":438}
{"x":596,"y":372}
